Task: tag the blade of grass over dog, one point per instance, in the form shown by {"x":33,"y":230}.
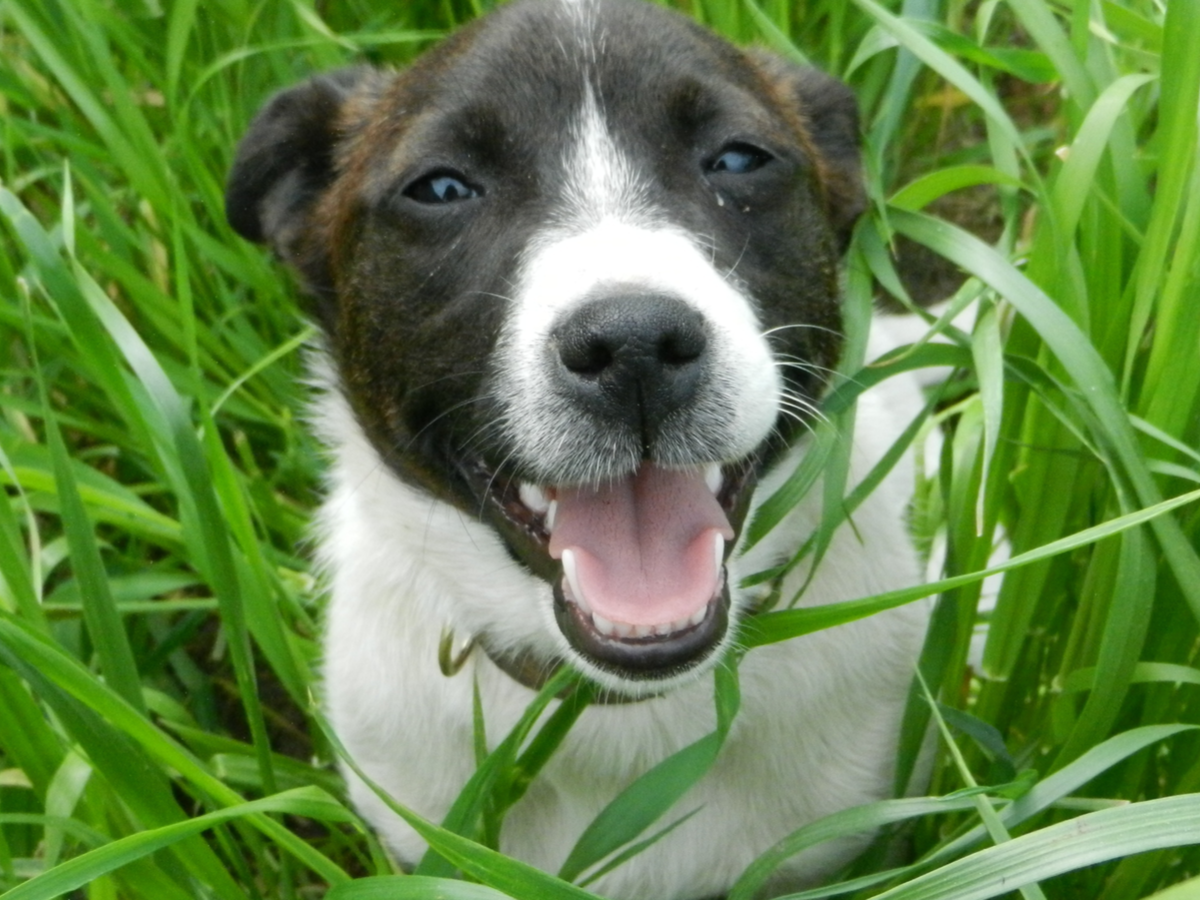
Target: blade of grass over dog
{"x":1065,"y":781}
{"x":645,"y":801}
{"x":641,"y":804}
{"x":515,"y":878}
{"x":771,"y":628}
{"x":492,"y":785}
{"x":618,"y":859}
{"x":855,"y":821}
{"x":776,"y":507}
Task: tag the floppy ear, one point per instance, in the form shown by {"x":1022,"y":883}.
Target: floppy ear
{"x":828,"y":112}
{"x":284,"y":163}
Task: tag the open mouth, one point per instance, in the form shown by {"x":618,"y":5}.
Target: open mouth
{"x":637,"y":564}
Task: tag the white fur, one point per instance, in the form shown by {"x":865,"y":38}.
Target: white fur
{"x":602,"y":183}
{"x":819,"y":717}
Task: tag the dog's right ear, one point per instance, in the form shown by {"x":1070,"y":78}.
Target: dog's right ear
{"x":287,"y":158}
{"x":829,"y":114}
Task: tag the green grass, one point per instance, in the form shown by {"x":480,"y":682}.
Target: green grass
{"x":158,"y":618}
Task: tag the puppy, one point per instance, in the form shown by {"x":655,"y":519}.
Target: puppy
{"x":577,"y":274}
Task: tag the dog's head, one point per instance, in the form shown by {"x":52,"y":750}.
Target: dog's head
{"x":577,"y":269}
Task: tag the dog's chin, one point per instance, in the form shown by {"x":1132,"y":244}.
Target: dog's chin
{"x":640,"y":612}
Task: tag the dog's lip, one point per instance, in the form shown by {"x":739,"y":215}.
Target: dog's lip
{"x":648,"y":656}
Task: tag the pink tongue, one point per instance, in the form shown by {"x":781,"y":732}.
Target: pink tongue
{"x":644,"y":546}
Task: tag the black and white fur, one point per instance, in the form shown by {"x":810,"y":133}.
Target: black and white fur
{"x":578,"y":244}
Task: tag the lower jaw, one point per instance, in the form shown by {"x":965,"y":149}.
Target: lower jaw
{"x":644,"y":659}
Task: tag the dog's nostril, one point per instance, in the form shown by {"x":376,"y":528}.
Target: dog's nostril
{"x":586,"y":358}
{"x":681,"y":347}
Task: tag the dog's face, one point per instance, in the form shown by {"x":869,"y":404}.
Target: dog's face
{"x":577,"y":268}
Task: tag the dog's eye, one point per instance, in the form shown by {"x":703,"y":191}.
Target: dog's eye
{"x":738,"y":159}
{"x":442,"y":187}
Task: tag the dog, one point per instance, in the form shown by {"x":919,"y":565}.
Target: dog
{"x":577,"y":272}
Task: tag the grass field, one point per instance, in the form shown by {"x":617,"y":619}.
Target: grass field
{"x":158,"y":614}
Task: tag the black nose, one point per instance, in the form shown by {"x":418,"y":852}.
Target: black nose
{"x":632,"y":359}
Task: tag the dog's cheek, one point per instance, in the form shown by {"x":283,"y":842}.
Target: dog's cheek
{"x":415,"y":330}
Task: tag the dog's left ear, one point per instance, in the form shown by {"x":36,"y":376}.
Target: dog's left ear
{"x":828,"y":112}
{"x":284,"y":164}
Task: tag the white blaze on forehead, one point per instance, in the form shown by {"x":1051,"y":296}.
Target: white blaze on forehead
{"x":601,"y":181}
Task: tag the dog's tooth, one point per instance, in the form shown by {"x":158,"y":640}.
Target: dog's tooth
{"x":719,"y":550}
{"x":623,"y":629}
{"x":698,"y":616}
{"x":568,"y":561}
{"x":603,"y":625}
{"x":551,"y":515}
{"x":533,"y":497}
{"x":713,"y":477}
{"x":641,"y":631}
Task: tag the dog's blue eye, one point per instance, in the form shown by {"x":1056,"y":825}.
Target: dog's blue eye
{"x":738,"y":159}
{"x":441,"y":187}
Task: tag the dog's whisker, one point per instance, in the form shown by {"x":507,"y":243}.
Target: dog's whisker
{"x":728,"y":274}
{"x":450,"y":410}
{"x":807,"y":326}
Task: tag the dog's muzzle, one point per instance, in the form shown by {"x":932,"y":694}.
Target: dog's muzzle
{"x":636,"y":551}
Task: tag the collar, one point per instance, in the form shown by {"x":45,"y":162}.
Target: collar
{"x":523,"y":668}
